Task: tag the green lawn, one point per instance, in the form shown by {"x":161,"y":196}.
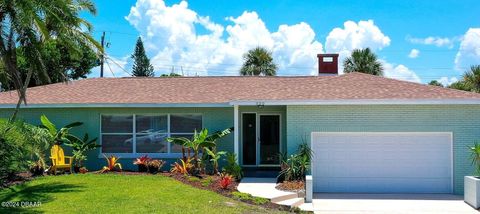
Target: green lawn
{"x":109,"y":193}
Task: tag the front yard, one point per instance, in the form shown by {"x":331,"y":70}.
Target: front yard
{"x":109,"y":193}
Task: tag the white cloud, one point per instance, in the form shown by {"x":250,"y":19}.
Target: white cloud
{"x":414,"y":53}
{"x":446,"y":81}
{"x":433,"y":40}
{"x":113,"y":67}
{"x":400,"y":72}
{"x":355,"y":36}
{"x":171,"y":34}
{"x":469,"y":51}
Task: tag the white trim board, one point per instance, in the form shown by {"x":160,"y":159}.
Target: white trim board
{"x":360,"y":102}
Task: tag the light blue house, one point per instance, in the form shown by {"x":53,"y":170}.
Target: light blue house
{"x":368,"y":133}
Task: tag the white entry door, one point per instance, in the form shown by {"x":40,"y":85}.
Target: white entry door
{"x":379,"y":162}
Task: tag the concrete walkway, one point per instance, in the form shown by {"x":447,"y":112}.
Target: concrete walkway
{"x":390,"y":203}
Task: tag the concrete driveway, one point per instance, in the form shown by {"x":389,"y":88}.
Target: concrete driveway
{"x":390,"y":203}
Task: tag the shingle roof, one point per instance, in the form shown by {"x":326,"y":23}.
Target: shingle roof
{"x":183,"y":90}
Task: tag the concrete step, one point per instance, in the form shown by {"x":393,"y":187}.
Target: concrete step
{"x":284,"y":197}
{"x":294,"y":202}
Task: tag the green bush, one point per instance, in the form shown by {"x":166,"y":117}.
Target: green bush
{"x":193,"y":179}
{"x":247,"y":197}
{"x":232,"y":167}
{"x":13,"y":149}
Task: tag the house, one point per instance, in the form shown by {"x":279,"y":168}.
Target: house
{"x":369,"y":133}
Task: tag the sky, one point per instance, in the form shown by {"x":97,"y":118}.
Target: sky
{"x":416,"y":41}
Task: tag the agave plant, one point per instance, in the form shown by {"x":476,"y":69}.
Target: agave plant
{"x":475,"y":156}
{"x":112,"y":164}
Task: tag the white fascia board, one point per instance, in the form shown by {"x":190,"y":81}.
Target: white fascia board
{"x":359,"y":102}
{"x":118,"y":105}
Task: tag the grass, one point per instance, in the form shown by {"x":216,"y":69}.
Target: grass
{"x":109,"y":193}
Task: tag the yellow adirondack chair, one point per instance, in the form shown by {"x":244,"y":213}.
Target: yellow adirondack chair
{"x":59,"y":160}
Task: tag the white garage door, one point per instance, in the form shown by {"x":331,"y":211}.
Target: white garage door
{"x":376,"y":162}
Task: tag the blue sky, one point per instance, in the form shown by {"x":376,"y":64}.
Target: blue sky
{"x":416,"y":40}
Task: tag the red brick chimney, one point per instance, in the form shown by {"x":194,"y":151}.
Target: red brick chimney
{"x":327,"y":64}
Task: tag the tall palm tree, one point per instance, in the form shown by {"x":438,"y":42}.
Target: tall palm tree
{"x":25,"y":25}
{"x":472,"y":77}
{"x":258,"y":61}
{"x":364,"y":61}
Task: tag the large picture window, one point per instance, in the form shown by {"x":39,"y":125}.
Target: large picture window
{"x":144,"y":133}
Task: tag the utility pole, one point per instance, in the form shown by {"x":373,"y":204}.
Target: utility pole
{"x":102,"y":56}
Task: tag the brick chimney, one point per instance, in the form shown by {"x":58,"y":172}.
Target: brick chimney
{"x":327,"y":64}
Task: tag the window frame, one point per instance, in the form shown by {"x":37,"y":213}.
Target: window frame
{"x":134,"y":153}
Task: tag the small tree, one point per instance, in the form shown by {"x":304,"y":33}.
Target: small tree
{"x":472,"y":78}
{"x":435,"y":83}
{"x":258,"y":61}
{"x":364,"y":61}
{"x":141,"y":63}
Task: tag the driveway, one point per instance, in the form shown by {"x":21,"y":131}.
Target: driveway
{"x":389,"y":203}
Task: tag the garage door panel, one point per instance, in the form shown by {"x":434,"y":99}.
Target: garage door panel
{"x":382,"y":162}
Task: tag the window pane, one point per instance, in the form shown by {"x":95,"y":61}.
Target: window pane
{"x":151,"y":124}
{"x":117,"y":143}
{"x":174,"y":148}
{"x":153,"y":143}
{"x":185,"y":123}
{"x":117,"y":124}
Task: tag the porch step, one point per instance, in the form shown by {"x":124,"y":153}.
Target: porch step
{"x":294,"y":202}
{"x":284,"y":197}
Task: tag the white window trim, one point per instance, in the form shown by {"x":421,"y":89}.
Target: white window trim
{"x":134,"y":153}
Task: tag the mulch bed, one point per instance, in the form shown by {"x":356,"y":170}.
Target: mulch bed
{"x":18,"y":178}
{"x":291,"y":186}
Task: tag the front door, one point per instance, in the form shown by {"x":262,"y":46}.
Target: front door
{"x":260,"y":139}
{"x":269,"y":139}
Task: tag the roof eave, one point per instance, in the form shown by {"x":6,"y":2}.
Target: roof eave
{"x":359,"y":102}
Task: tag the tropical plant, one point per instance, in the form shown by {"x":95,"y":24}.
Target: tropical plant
{"x":154,"y":166}
{"x":184,"y":167}
{"x":141,"y":64}
{"x":225,"y":180}
{"x":26,"y":25}
{"x":13,"y":150}
{"x":199,"y":141}
{"x":141,"y":162}
{"x":461,"y":85}
{"x":59,"y":136}
{"x":472,"y":78}
{"x":81,"y":147}
{"x":40,"y":141}
{"x":294,"y":167}
{"x":214,"y":157}
{"x":258,"y":61}
{"x":364,"y":61}
{"x":232,"y":167}
{"x":475,"y":156}
{"x":112,"y":164}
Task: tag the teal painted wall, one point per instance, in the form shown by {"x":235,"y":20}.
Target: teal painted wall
{"x":214,"y":119}
{"x":463,"y":121}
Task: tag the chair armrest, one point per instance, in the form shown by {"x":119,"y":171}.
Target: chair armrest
{"x":70,"y":158}
{"x":54,"y":161}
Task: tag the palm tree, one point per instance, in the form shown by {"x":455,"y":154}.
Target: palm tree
{"x":363,"y":60}
{"x":472,"y":78}
{"x":26,"y":25}
{"x":258,"y":61}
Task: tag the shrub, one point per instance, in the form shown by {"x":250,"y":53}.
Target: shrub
{"x":193,"y":179}
{"x":207,"y":181}
{"x":80,"y":148}
{"x":154,"y":166}
{"x":13,"y":150}
{"x":475,"y":156}
{"x":225,"y":181}
{"x":112,"y":164}
{"x":232,"y":167}
{"x":295,"y":167}
{"x":141,"y":162}
{"x":247,"y":197}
